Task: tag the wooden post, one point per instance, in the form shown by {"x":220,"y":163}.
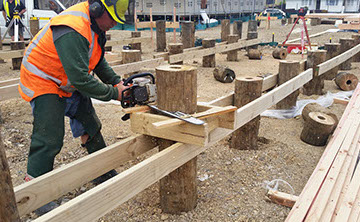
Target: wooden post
{"x":187,"y":34}
{"x":356,"y":37}
{"x":34,"y":26}
{"x":287,"y":71}
{"x":346,"y":44}
{"x":332,"y":50}
{"x":315,"y":21}
{"x":225,"y":29}
{"x":151,"y":28}
{"x":289,"y":21}
{"x":252,"y":33}
{"x":232,"y":55}
{"x":108,"y":48}
{"x":252,"y":26}
{"x":8,"y":208}
{"x":209,"y":61}
{"x":317,"y":129}
{"x":174,"y":29}
{"x":177,"y":91}
{"x":237,"y":28}
{"x":16,"y":62}
{"x":316,"y":85}
{"x":160,"y":35}
{"x":136,"y":45}
{"x":247,"y":89}
{"x":129,"y":56}
{"x":283,"y":21}
{"x":176,"y":48}
{"x":267,"y":21}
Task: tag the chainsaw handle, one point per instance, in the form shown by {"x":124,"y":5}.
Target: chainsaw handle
{"x":129,"y":80}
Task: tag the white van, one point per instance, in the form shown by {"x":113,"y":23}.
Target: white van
{"x":42,"y":9}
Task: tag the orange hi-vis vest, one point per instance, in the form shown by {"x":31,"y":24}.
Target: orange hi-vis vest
{"x":41,"y":69}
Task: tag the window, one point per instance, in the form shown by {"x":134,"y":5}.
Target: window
{"x":190,"y":4}
{"x":229,"y":3}
{"x":198,"y":2}
{"x":148,"y":4}
{"x":332,"y":2}
{"x":137,"y":4}
{"x":162,"y":2}
{"x":177,"y":5}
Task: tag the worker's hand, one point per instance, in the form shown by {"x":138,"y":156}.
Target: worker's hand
{"x":121,"y":87}
{"x":7,"y":21}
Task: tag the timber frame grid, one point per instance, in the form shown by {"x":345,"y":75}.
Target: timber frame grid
{"x":108,"y":195}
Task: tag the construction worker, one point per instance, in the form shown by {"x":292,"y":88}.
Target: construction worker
{"x":9,"y":7}
{"x":56,"y":78}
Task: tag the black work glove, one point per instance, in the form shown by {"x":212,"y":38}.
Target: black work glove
{"x":8,"y":20}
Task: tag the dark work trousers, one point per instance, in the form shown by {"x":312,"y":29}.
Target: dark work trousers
{"x":47,"y":137}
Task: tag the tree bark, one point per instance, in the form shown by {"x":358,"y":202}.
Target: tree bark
{"x":280,"y":53}
{"x":346,"y":81}
{"x":287,"y":71}
{"x":346,"y":44}
{"x":225,"y":29}
{"x":332,"y":50}
{"x":16,"y":62}
{"x":232,"y":55}
{"x":237,"y":28}
{"x":316,"y":85}
{"x":209,"y":61}
{"x":254,"y":54}
{"x":188,"y":34}
{"x":176,"y":48}
{"x":224,"y":74}
{"x":160,"y":35}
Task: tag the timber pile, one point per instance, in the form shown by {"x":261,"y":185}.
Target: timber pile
{"x":333,"y":190}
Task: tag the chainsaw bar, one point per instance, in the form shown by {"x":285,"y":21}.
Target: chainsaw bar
{"x":179,"y":115}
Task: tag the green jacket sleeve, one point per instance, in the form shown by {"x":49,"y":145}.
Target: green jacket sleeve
{"x":106,"y":73}
{"x":73,"y":50}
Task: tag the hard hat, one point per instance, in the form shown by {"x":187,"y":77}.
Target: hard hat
{"x":122,"y":11}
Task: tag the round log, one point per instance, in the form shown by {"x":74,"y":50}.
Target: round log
{"x":254,"y":54}
{"x":225,"y":29}
{"x":287,"y":71}
{"x":209,"y":61}
{"x":135,"y":34}
{"x":346,"y":81}
{"x":247,"y":89}
{"x":224,"y":74}
{"x":8,"y":208}
{"x":252,"y":26}
{"x":177,"y":91}
{"x":332,"y":50}
{"x":280,"y":53}
{"x":356,"y":38}
{"x":315,"y":107}
{"x":16,"y":62}
{"x":237,"y":28}
{"x":176,"y":48}
{"x":346,"y":44}
{"x":187,"y":34}
{"x":317,"y":129}
{"x":160,"y":35}
{"x":129,"y":56}
{"x":232,"y":55}
{"x":316,"y":85}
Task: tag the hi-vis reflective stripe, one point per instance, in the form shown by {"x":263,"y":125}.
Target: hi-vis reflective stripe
{"x":6,"y":6}
{"x":33,"y":69}
{"x":40,"y":18}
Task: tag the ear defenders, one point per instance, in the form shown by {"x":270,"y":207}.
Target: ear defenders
{"x":96,"y":8}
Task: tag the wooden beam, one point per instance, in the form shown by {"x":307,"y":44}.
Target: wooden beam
{"x":39,"y":191}
{"x":10,"y":54}
{"x":126,"y":41}
{"x":349,"y":26}
{"x":282,"y":198}
{"x":337,"y":60}
{"x":210,"y":51}
{"x":137,"y":66}
{"x":173,"y":25}
{"x":9,"y":92}
{"x":269,"y":82}
{"x":9,"y":82}
{"x":341,"y":101}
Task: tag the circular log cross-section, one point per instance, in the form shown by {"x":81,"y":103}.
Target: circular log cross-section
{"x":232,"y":55}
{"x":247,"y":89}
{"x":209,"y":61}
{"x":177,"y":91}
{"x":187,"y":34}
{"x":224,"y":74}
{"x":160,"y":35}
{"x":237,"y":28}
{"x":287,"y":71}
{"x":316,"y":85}
{"x":280,"y":53}
{"x":225,"y":29}
{"x":254,"y":54}
{"x":176,"y":48}
{"x":317,"y":129}
{"x":129,"y":56}
{"x":346,"y":44}
{"x":332,"y":50}
{"x":346,"y":81}
{"x":315,"y":107}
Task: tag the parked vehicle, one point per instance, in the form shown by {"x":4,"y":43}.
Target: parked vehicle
{"x":273,"y":12}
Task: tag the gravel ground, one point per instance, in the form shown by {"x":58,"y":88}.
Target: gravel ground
{"x":231,"y":183}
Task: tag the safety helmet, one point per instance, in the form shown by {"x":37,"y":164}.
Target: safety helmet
{"x":122,"y":11}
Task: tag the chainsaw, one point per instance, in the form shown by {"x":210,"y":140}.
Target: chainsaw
{"x":142,"y":91}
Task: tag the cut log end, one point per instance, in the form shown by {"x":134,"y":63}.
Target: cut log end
{"x":254,"y":54}
{"x":280,"y":53}
{"x":346,"y":81}
{"x":224,"y":74}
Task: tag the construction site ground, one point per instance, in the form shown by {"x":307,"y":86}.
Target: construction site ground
{"x":231,"y":183}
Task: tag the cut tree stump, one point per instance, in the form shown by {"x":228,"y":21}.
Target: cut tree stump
{"x":224,"y":74}
{"x":356,"y":38}
{"x":176,"y":48}
{"x":317,"y":129}
{"x":346,"y":81}
{"x":332,"y":50}
{"x":346,"y":44}
{"x":187,"y":34}
{"x":315,"y":107}
{"x":225,"y":29}
{"x":237,"y":28}
{"x":16,"y":62}
{"x":280,"y":53}
{"x":254,"y":54}
{"x":129,"y":56}
{"x":160,"y":35}
{"x":316,"y":85}
{"x":287,"y":71}
{"x":232,"y":55}
{"x":209,"y":61}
